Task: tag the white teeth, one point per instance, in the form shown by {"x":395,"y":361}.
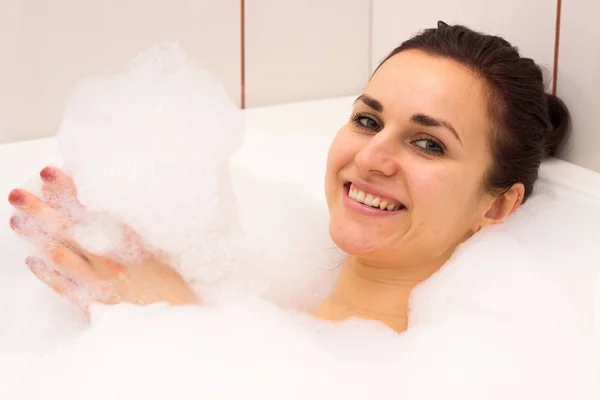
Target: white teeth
{"x":371,"y":200}
{"x":361,"y":196}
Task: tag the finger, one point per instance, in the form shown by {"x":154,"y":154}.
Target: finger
{"x":14,"y":223}
{"x":134,"y":243}
{"x":27,"y":226}
{"x":66,"y":254}
{"x":61,"y":284}
{"x":59,"y":178}
{"x":23,"y":200}
{"x":106,"y":268}
{"x":59,"y":189}
{"x":71,"y":259}
{"x":58,"y":282}
{"x":54,"y":198}
{"x":46,"y":216}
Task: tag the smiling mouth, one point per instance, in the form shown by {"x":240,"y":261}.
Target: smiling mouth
{"x":371,"y":200}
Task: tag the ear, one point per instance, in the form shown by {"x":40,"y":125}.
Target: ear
{"x":505,"y":204}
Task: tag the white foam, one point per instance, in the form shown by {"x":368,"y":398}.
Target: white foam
{"x":151,"y":147}
{"x":252,"y":349}
{"x":510,"y":316}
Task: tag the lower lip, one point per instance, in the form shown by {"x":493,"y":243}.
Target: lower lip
{"x":367,"y":210}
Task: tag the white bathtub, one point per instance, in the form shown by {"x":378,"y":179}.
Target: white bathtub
{"x":283,"y":154}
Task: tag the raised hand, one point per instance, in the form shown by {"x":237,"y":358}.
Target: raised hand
{"x":141,"y":276}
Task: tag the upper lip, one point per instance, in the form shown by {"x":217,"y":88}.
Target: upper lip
{"x":374,"y":191}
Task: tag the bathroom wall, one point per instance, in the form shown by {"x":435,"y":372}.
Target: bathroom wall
{"x":528,"y":24}
{"x":293,"y":50}
{"x":47,"y":46}
{"x":305,"y":49}
{"x":578,"y":81}
{"x":277,"y":51}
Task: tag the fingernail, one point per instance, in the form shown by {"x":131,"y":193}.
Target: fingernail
{"x":16,"y":197}
{"x":48,"y":174}
{"x":14,"y":221}
{"x":31,"y":263}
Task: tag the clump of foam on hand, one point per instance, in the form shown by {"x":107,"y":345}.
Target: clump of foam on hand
{"x":151,"y":147}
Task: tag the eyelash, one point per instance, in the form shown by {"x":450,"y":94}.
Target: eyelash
{"x":356,"y":117}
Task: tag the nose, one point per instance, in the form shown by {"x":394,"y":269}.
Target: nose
{"x":377,"y":156}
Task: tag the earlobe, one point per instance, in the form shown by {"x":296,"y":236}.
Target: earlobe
{"x":505,"y":204}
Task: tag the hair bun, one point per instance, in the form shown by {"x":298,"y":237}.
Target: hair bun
{"x":560,"y":120}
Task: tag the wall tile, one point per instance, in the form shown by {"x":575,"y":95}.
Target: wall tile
{"x":578,"y":80}
{"x":46,"y":47}
{"x":305,"y":49}
{"x":528,"y":24}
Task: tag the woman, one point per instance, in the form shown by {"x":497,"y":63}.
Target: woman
{"x":446,"y":139}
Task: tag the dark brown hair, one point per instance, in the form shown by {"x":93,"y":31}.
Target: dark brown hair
{"x":528,"y":124}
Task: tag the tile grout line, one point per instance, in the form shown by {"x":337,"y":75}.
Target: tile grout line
{"x":371,"y":26}
{"x":243,"y":54}
{"x":556,"y":46}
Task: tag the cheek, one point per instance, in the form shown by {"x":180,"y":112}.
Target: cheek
{"x":341,"y":154}
{"x":341,"y":150}
{"x":443,"y":201}
{"x":430,"y":185}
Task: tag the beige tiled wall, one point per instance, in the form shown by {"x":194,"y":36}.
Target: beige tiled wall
{"x":47,"y":46}
{"x":530,"y":24}
{"x":294,"y":49}
{"x":579,"y":79}
{"x":306,"y":49}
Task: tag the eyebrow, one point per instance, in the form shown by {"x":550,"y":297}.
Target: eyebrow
{"x":371,"y":102}
{"x":419,"y":119}
{"x":426,"y":120}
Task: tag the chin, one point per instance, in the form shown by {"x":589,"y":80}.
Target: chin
{"x":352,"y":240}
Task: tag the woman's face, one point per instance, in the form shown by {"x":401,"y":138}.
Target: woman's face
{"x":416,"y":144}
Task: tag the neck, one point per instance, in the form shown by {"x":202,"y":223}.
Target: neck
{"x":370,"y":292}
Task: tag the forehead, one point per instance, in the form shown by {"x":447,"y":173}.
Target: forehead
{"x":414,"y":82}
